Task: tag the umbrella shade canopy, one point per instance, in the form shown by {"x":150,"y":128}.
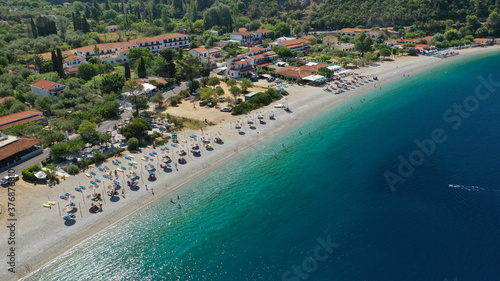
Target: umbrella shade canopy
{"x":68,"y":209}
{"x":40,"y":175}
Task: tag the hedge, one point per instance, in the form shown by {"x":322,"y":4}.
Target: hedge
{"x":258,"y":101}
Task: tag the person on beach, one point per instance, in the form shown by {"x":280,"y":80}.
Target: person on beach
{"x":123,"y":193}
{"x":152,"y":192}
{"x":178,"y":197}
{"x":146,"y":187}
{"x":100,"y":207}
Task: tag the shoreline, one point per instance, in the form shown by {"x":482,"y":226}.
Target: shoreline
{"x":53,"y":245}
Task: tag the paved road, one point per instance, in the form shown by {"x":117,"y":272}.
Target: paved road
{"x":23,"y":165}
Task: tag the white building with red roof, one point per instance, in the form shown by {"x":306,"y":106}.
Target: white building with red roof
{"x":172,"y":40}
{"x":14,"y":150}
{"x":295,"y":44}
{"x":44,"y":87}
{"x":262,"y":33}
{"x":153,"y":43}
{"x":73,"y":61}
{"x":112,"y":28}
{"x":244,"y":38}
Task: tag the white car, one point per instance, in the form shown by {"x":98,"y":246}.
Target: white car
{"x":6,"y":179}
{"x":226,"y":109}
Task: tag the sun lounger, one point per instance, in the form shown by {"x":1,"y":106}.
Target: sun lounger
{"x":118,"y":161}
{"x":101,"y":169}
{"x":87,"y":174}
{"x":106,"y":167}
{"x":128,"y":158}
{"x":151,"y":154}
{"x":133,"y":162}
{"x":143,"y":159}
{"x":93,"y":173}
{"x":51,"y":203}
{"x":131,"y":156}
{"x":98,"y":180}
{"x":119,"y":170}
{"x":83,"y":187}
{"x":46,"y":206}
{"x":154,"y":152}
{"x":123,"y":168}
{"x":77,"y":189}
{"x":62,"y":197}
{"x":106,"y":176}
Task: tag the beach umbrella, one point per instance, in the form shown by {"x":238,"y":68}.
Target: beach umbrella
{"x":110,"y":186}
{"x":68,"y":209}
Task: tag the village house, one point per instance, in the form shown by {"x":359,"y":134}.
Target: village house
{"x":172,"y":40}
{"x":244,"y":38}
{"x":295,"y":44}
{"x":49,"y":16}
{"x":67,"y":5}
{"x":262,"y":33}
{"x":330,"y":40}
{"x":112,"y":28}
{"x":153,"y":43}
{"x":73,"y":61}
{"x":44,"y":87}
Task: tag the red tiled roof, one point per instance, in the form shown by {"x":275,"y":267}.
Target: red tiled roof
{"x":111,"y":26}
{"x":161,"y":81}
{"x":4,"y":98}
{"x":262,"y":30}
{"x":145,"y":40}
{"x":242,"y":29}
{"x":71,"y":70}
{"x":16,"y":146}
{"x":481,"y":40}
{"x":242,"y":61}
{"x":171,"y":36}
{"x":24,"y":121}
{"x":294,"y":42}
{"x":8,"y":120}
{"x":293,"y":71}
{"x":259,"y":56}
{"x":307,"y":37}
{"x":123,"y":50}
{"x":201,"y":50}
{"x":246,"y":33}
{"x":106,"y":46}
{"x":47,"y":84}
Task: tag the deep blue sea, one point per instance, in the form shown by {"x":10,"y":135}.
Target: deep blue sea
{"x":322,"y":209}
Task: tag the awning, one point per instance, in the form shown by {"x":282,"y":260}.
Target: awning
{"x":313,"y":78}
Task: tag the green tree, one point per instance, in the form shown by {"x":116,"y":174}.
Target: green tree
{"x":136,"y":128}
{"x":88,"y":132}
{"x":245,"y":84}
{"x":188,"y":67}
{"x":363,"y":43}
{"x":135,"y":95}
{"x":452,"y":34}
{"x":158,"y":99}
{"x":235,"y":91}
{"x":140,"y":52}
{"x":132,"y":144}
{"x":141,"y":68}
{"x":283,"y":52}
{"x":87,"y":71}
{"x":385,"y":52}
{"x":213,"y":81}
{"x":282,"y":29}
{"x":112,"y":82}
{"x":127,"y":71}
{"x":231,"y":82}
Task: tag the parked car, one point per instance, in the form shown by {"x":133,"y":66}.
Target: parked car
{"x":271,"y":79}
{"x":8,"y":179}
{"x":222,"y":99}
{"x":203,"y":103}
{"x":226,"y":109}
{"x":194,"y":93}
{"x":277,"y":80}
{"x":239,"y":100}
{"x":211,"y":104}
{"x":254,"y":78}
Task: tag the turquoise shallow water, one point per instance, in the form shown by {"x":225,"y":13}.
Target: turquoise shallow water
{"x":322,"y":208}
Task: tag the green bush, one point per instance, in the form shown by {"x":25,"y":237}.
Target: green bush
{"x":258,"y":101}
{"x":175,"y":100}
{"x":132,"y":144}
{"x":28,"y":175}
{"x":36,"y":167}
{"x":184,"y":94}
{"x":72,"y":169}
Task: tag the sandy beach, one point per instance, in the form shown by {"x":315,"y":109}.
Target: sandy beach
{"x":42,"y":235}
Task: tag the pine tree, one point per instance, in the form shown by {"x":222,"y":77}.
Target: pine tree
{"x":127,"y":71}
{"x":34,"y":31}
{"x":141,"y":69}
{"x":53,"y":57}
{"x":85,"y":25}
{"x":60,"y":69}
